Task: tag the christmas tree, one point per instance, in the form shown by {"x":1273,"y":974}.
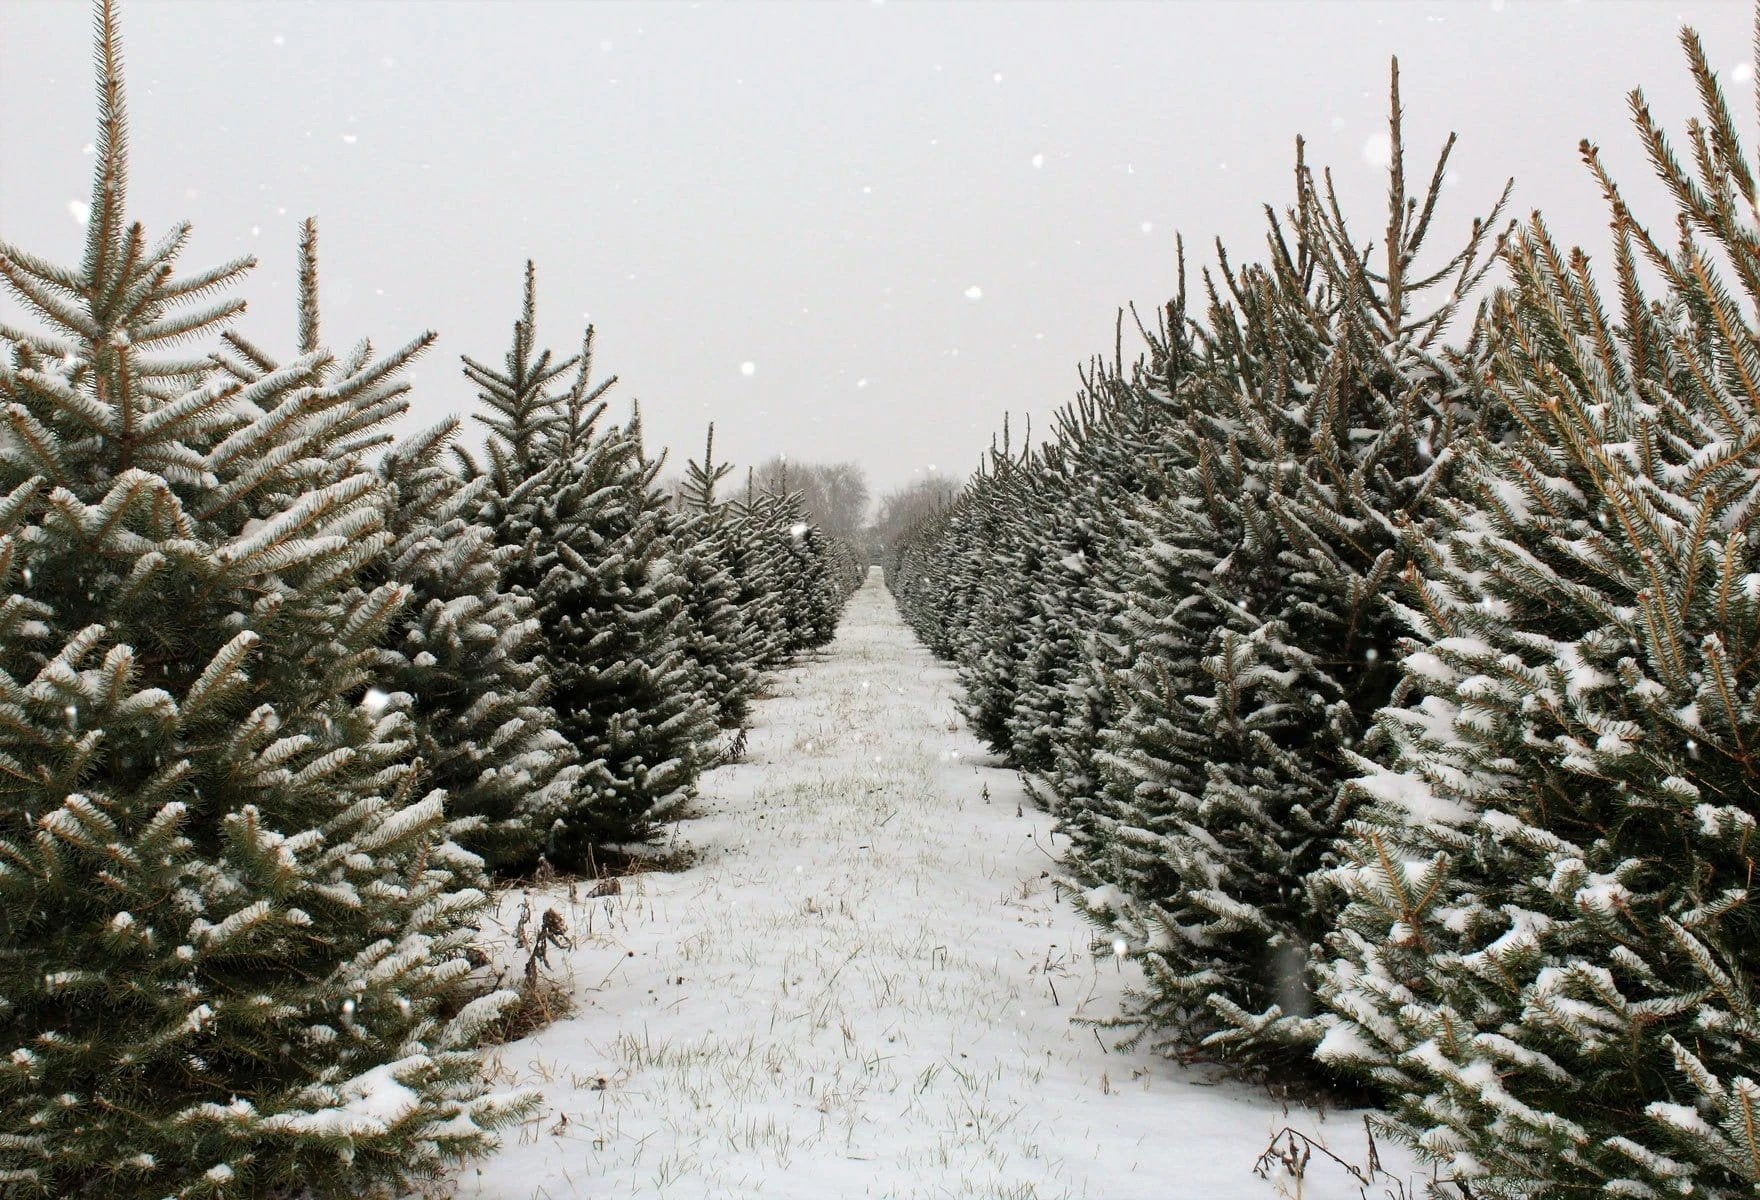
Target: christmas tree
{"x":466,"y":661}
{"x":462,"y":654}
{"x":233,"y":924}
{"x":1549,"y":958}
{"x":723,"y":645}
{"x":576,"y":503}
{"x":1317,"y":426}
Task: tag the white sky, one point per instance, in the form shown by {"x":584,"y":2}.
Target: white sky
{"x":909,"y":217}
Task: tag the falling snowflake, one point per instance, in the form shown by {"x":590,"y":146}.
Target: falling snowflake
{"x":1378,"y":149}
{"x":974,"y":292}
{"x":375,"y":701}
{"x":80,"y":210}
{"x":1038,"y":161}
{"x":748,"y":368}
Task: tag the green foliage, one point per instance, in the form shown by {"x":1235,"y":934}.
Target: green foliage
{"x":1323,"y":415}
{"x":233,"y":925}
{"x":575,"y":504}
{"x":465,"y":661}
{"x":1550,"y":952}
{"x":725,"y":645}
{"x":1175,"y":614}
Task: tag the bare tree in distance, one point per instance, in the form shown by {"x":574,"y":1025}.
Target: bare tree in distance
{"x":836,"y":494}
{"x":902,"y":508}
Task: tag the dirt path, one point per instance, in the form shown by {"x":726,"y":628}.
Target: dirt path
{"x":864,"y":987}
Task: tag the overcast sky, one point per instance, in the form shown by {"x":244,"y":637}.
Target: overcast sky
{"x":840,"y":230}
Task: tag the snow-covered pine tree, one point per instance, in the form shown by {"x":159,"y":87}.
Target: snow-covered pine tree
{"x":810,"y":592}
{"x":1004,"y":508}
{"x":231,"y":921}
{"x":1325,"y":432}
{"x":462,"y":655}
{"x":963,"y":569}
{"x":922,"y":582}
{"x":1550,"y":955}
{"x":466,"y":654}
{"x":722,"y":646}
{"x":1113,"y":444}
{"x":579,"y":505}
{"x":757,"y":570}
{"x":917,"y":578}
{"x":1020,"y":581}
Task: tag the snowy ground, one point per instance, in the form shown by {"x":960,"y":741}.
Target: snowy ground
{"x":865,"y":988}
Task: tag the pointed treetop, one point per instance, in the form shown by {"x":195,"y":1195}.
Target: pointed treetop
{"x":525,"y":329}
{"x":521,"y":413}
{"x":698,"y":489}
{"x":110,"y":181}
{"x":308,"y":286}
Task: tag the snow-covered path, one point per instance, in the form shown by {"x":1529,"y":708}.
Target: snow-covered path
{"x":863,"y":987}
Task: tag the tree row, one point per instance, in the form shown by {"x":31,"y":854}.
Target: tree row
{"x":279,"y":694}
{"x":1387,"y":644}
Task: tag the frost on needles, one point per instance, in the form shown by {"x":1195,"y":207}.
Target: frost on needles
{"x":1550,"y":948}
{"x":233,"y":920}
{"x":573,"y":500}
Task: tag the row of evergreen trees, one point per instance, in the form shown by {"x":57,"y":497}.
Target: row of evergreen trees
{"x":276,"y":696}
{"x":1395,"y":694}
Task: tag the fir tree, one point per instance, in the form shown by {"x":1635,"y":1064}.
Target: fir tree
{"x":462,"y":654}
{"x":723,"y":647}
{"x":1322,"y":425}
{"x":577,"y":503}
{"x":1550,"y":954}
{"x":232,"y":922}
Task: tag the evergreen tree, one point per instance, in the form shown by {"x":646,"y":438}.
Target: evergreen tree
{"x":722,"y":646}
{"x":466,"y":657}
{"x":578,"y":504}
{"x":758,"y":579}
{"x":461,"y":657}
{"x":803,"y":560}
{"x":1550,"y":954}
{"x":232,"y":922}
{"x":1322,"y":430}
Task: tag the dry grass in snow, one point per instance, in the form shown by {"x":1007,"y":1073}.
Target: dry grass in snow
{"x":865,"y":987}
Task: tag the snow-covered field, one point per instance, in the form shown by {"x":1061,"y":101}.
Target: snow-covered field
{"x":865,"y":986}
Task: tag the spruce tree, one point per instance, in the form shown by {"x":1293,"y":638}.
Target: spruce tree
{"x":758,"y":578}
{"x":809,"y":589}
{"x":465,"y":659}
{"x":232,"y":922}
{"x":1550,"y":954}
{"x":461,"y":657}
{"x":577,"y":503}
{"x":722,"y":646}
{"x":1323,"y":426}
